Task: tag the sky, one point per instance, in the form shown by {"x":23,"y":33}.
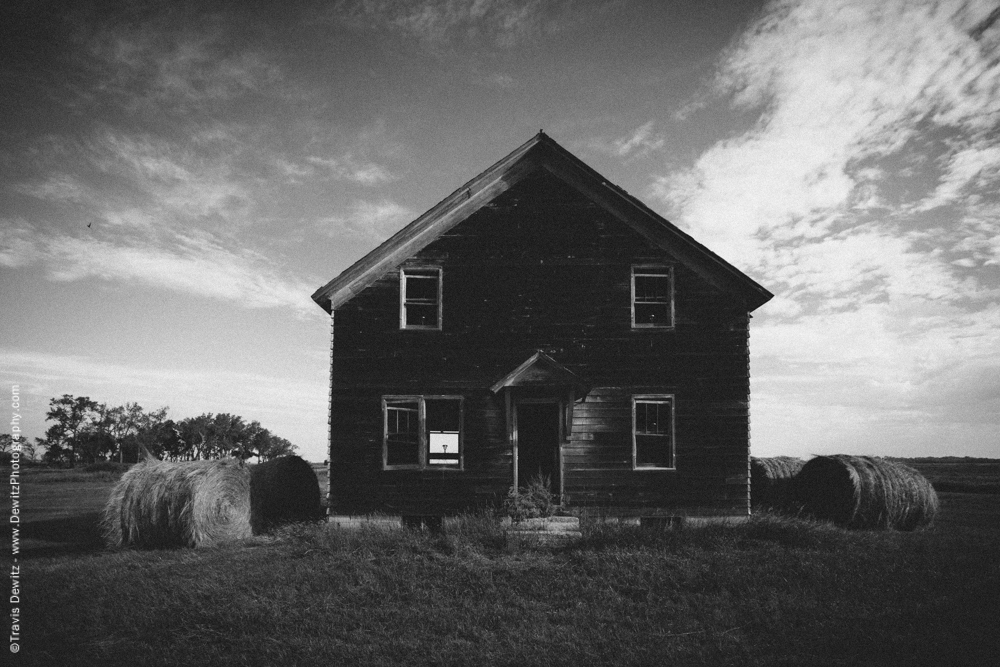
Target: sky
{"x":177,"y":179}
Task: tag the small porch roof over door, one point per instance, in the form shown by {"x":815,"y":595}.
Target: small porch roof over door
{"x":540,"y":370}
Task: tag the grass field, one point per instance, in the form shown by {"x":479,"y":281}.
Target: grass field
{"x":773,"y":591}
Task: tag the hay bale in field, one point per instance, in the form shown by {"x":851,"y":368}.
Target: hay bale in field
{"x":192,"y":503}
{"x":284,"y":490}
{"x":771,"y":481}
{"x":865,"y":492}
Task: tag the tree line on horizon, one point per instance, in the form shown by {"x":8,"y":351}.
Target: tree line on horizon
{"x":85,"y":431}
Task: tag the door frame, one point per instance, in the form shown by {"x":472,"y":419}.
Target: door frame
{"x":560,"y":404}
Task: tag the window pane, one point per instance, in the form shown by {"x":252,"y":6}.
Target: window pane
{"x":443,"y":448}
{"x":652,"y":288}
{"x":652,"y":418}
{"x":444,"y":417}
{"x":653,"y":451}
{"x":421,"y":315}
{"x":402,"y":452}
{"x":652,"y":313}
{"x":640,"y":417}
{"x":443,"y":414}
{"x":422,"y":288}
{"x":402,"y":434}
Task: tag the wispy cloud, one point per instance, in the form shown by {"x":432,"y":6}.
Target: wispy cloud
{"x":366,"y":219}
{"x":640,"y":142}
{"x":350,"y":169}
{"x":862,"y":197}
{"x":195,"y":264}
{"x":501,"y":23}
{"x":179,"y":66}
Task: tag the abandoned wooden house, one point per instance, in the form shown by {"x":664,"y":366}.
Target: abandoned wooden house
{"x":540,"y":320}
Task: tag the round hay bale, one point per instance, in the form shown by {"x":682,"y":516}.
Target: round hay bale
{"x":771,"y":481}
{"x":192,"y":503}
{"x":284,"y":490}
{"x":865,"y":492}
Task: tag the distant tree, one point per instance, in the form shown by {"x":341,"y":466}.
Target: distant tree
{"x":72,"y":415}
{"x":121,"y":423}
{"x":278,"y":447}
{"x":55,"y":453}
{"x":219,"y":435}
{"x":196,"y":434}
{"x":94,"y":444}
{"x":228,"y":435}
{"x":29,"y":449}
{"x":7,"y":443}
{"x":168,"y":443}
{"x":151,"y":432}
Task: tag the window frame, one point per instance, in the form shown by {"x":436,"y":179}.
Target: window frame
{"x":654,"y":270}
{"x":403,"y":324}
{"x":423,"y":442}
{"x":661,"y":399}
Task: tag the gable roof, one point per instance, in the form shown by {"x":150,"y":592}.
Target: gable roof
{"x":541,"y":370}
{"x":539,"y":152}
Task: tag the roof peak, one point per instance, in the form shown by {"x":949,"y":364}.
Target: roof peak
{"x":540,"y":152}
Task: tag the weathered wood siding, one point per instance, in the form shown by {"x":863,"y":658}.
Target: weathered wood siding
{"x":542,"y":267}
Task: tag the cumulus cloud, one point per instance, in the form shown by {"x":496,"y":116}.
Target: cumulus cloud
{"x":839,"y":84}
{"x":863,"y":197}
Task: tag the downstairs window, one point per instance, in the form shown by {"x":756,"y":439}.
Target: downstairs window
{"x":653,"y":432}
{"x":422,"y":432}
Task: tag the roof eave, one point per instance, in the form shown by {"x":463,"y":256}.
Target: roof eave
{"x":410,"y":239}
{"x":501,"y":176}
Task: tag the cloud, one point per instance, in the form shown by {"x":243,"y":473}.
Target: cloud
{"x":436,"y":23}
{"x":162,"y":64}
{"x":193,"y":263}
{"x":369,"y":220}
{"x":839,"y":84}
{"x":642,"y":141}
{"x":864,"y":196}
{"x":347,"y":168}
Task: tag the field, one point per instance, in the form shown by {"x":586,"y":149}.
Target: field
{"x":773,"y":591}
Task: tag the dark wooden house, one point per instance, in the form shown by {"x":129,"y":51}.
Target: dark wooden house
{"x":540,"y":320}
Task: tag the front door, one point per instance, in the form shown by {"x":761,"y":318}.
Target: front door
{"x":538,"y":443}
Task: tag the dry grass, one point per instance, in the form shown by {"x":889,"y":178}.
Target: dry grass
{"x":284,"y":490}
{"x":771,"y":481}
{"x":865,"y":492}
{"x":195,"y":503}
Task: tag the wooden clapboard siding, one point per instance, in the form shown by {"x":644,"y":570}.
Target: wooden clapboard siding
{"x":543,"y":267}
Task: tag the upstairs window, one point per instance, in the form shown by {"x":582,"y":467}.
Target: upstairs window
{"x":420,"y":298}
{"x":422,"y":432}
{"x":653,"y":432}
{"x":652,"y":297}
